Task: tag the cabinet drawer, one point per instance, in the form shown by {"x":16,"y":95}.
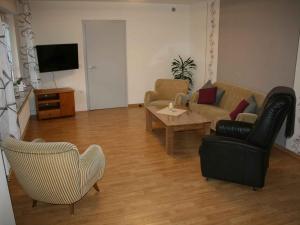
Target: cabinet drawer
{"x":46,"y":114}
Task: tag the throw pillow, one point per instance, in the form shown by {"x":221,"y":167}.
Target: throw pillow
{"x":239,"y":109}
{"x":208,"y":84}
{"x":251,"y":108}
{"x":207,"y":96}
{"x":219,"y":96}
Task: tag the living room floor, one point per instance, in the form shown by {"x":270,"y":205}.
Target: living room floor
{"x":143,"y":185}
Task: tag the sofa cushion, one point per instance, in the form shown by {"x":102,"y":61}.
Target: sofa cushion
{"x":251,"y":108}
{"x":207,"y":96}
{"x":211,"y":112}
{"x":239,"y":109}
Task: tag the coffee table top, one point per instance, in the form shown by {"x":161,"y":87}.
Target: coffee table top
{"x":187,"y":118}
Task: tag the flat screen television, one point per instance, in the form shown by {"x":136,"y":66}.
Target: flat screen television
{"x":57,"y":57}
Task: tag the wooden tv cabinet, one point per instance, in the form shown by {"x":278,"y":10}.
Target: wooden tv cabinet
{"x":54,"y":103}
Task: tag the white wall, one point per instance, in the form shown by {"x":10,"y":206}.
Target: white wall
{"x":6,"y":212}
{"x":155,"y":35}
{"x":294,"y":143}
{"x":14,"y":45}
{"x":198,"y":41}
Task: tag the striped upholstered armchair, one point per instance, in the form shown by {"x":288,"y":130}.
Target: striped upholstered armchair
{"x":54,"y":172}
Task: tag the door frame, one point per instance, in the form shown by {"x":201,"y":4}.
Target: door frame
{"x":86,"y":62}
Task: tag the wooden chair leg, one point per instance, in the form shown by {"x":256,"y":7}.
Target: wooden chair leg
{"x":34,"y":203}
{"x":96,"y":187}
{"x":72,"y":208}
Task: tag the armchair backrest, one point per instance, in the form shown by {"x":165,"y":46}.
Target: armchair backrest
{"x":48,"y":172}
{"x":168,"y":88}
{"x":278,"y":105}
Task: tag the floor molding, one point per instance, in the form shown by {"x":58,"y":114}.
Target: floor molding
{"x":137,"y":105}
{"x":287,"y":151}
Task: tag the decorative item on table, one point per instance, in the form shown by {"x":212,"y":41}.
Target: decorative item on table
{"x":174,"y":112}
{"x":171,"y":107}
{"x":21,"y":86}
{"x":183,"y":69}
{"x":16,"y":86}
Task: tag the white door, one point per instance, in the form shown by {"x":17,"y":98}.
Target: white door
{"x":105,"y":45}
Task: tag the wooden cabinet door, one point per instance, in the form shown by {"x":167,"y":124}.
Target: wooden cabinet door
{"x":67,"y":106}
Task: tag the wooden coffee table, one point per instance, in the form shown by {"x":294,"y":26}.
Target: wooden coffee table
{"x":187,"y":121}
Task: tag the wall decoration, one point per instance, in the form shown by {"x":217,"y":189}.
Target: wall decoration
{"x":8,"y":110}
{"x":28,"y":59}
{"x":212,"y":39}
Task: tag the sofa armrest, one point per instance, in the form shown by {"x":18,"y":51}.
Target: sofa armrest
{"x":234,"y":129}
{"x":150,"y":96}
{"x":246,"y":117}
{"x":38,"y":140}
{"x":180,"y":99}
{"x":91,"y":164}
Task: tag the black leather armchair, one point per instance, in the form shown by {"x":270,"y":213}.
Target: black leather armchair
{"x":239,"y":152}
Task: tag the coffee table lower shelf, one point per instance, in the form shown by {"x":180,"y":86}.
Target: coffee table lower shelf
{"x":181,"y":123}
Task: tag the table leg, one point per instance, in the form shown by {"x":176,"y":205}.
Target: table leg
{"x":169,"y":140}
{"x":148,"y":120}
{"x":207,"y":130}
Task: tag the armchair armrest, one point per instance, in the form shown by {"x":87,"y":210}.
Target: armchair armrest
{"x":38,"y":140}
{"x":180,"y":99}
{"x":234,"y":129}
{"x":246,"y":117}
{"x":91,"y":165}
{"x":150,"y":96}
{"x":233,"y":160}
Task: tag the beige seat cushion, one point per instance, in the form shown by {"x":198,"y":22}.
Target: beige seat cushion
{"x":211,"y":112}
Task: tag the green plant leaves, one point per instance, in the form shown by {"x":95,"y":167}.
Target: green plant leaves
{"x":182,"y":69}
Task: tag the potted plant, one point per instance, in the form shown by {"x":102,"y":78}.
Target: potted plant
{"x":16,"y":86}
{"x":183,"y":69}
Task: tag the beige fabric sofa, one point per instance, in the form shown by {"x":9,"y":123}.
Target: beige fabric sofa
{"x":233,"y":95}
{"x":166,"y":91}
{"x":54,"y":172}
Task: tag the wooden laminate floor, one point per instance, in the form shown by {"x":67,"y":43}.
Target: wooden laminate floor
{"x":143,"y":185}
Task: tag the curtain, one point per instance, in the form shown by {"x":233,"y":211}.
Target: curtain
{"x":27,"y":52}
{"x":8,"y":111}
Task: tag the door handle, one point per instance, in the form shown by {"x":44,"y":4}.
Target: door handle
{"x":92,"y":67}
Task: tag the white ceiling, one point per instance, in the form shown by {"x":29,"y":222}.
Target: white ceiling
{"x":142,"y":1}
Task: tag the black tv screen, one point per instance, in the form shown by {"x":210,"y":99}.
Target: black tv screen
{"x":57,"y":57}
